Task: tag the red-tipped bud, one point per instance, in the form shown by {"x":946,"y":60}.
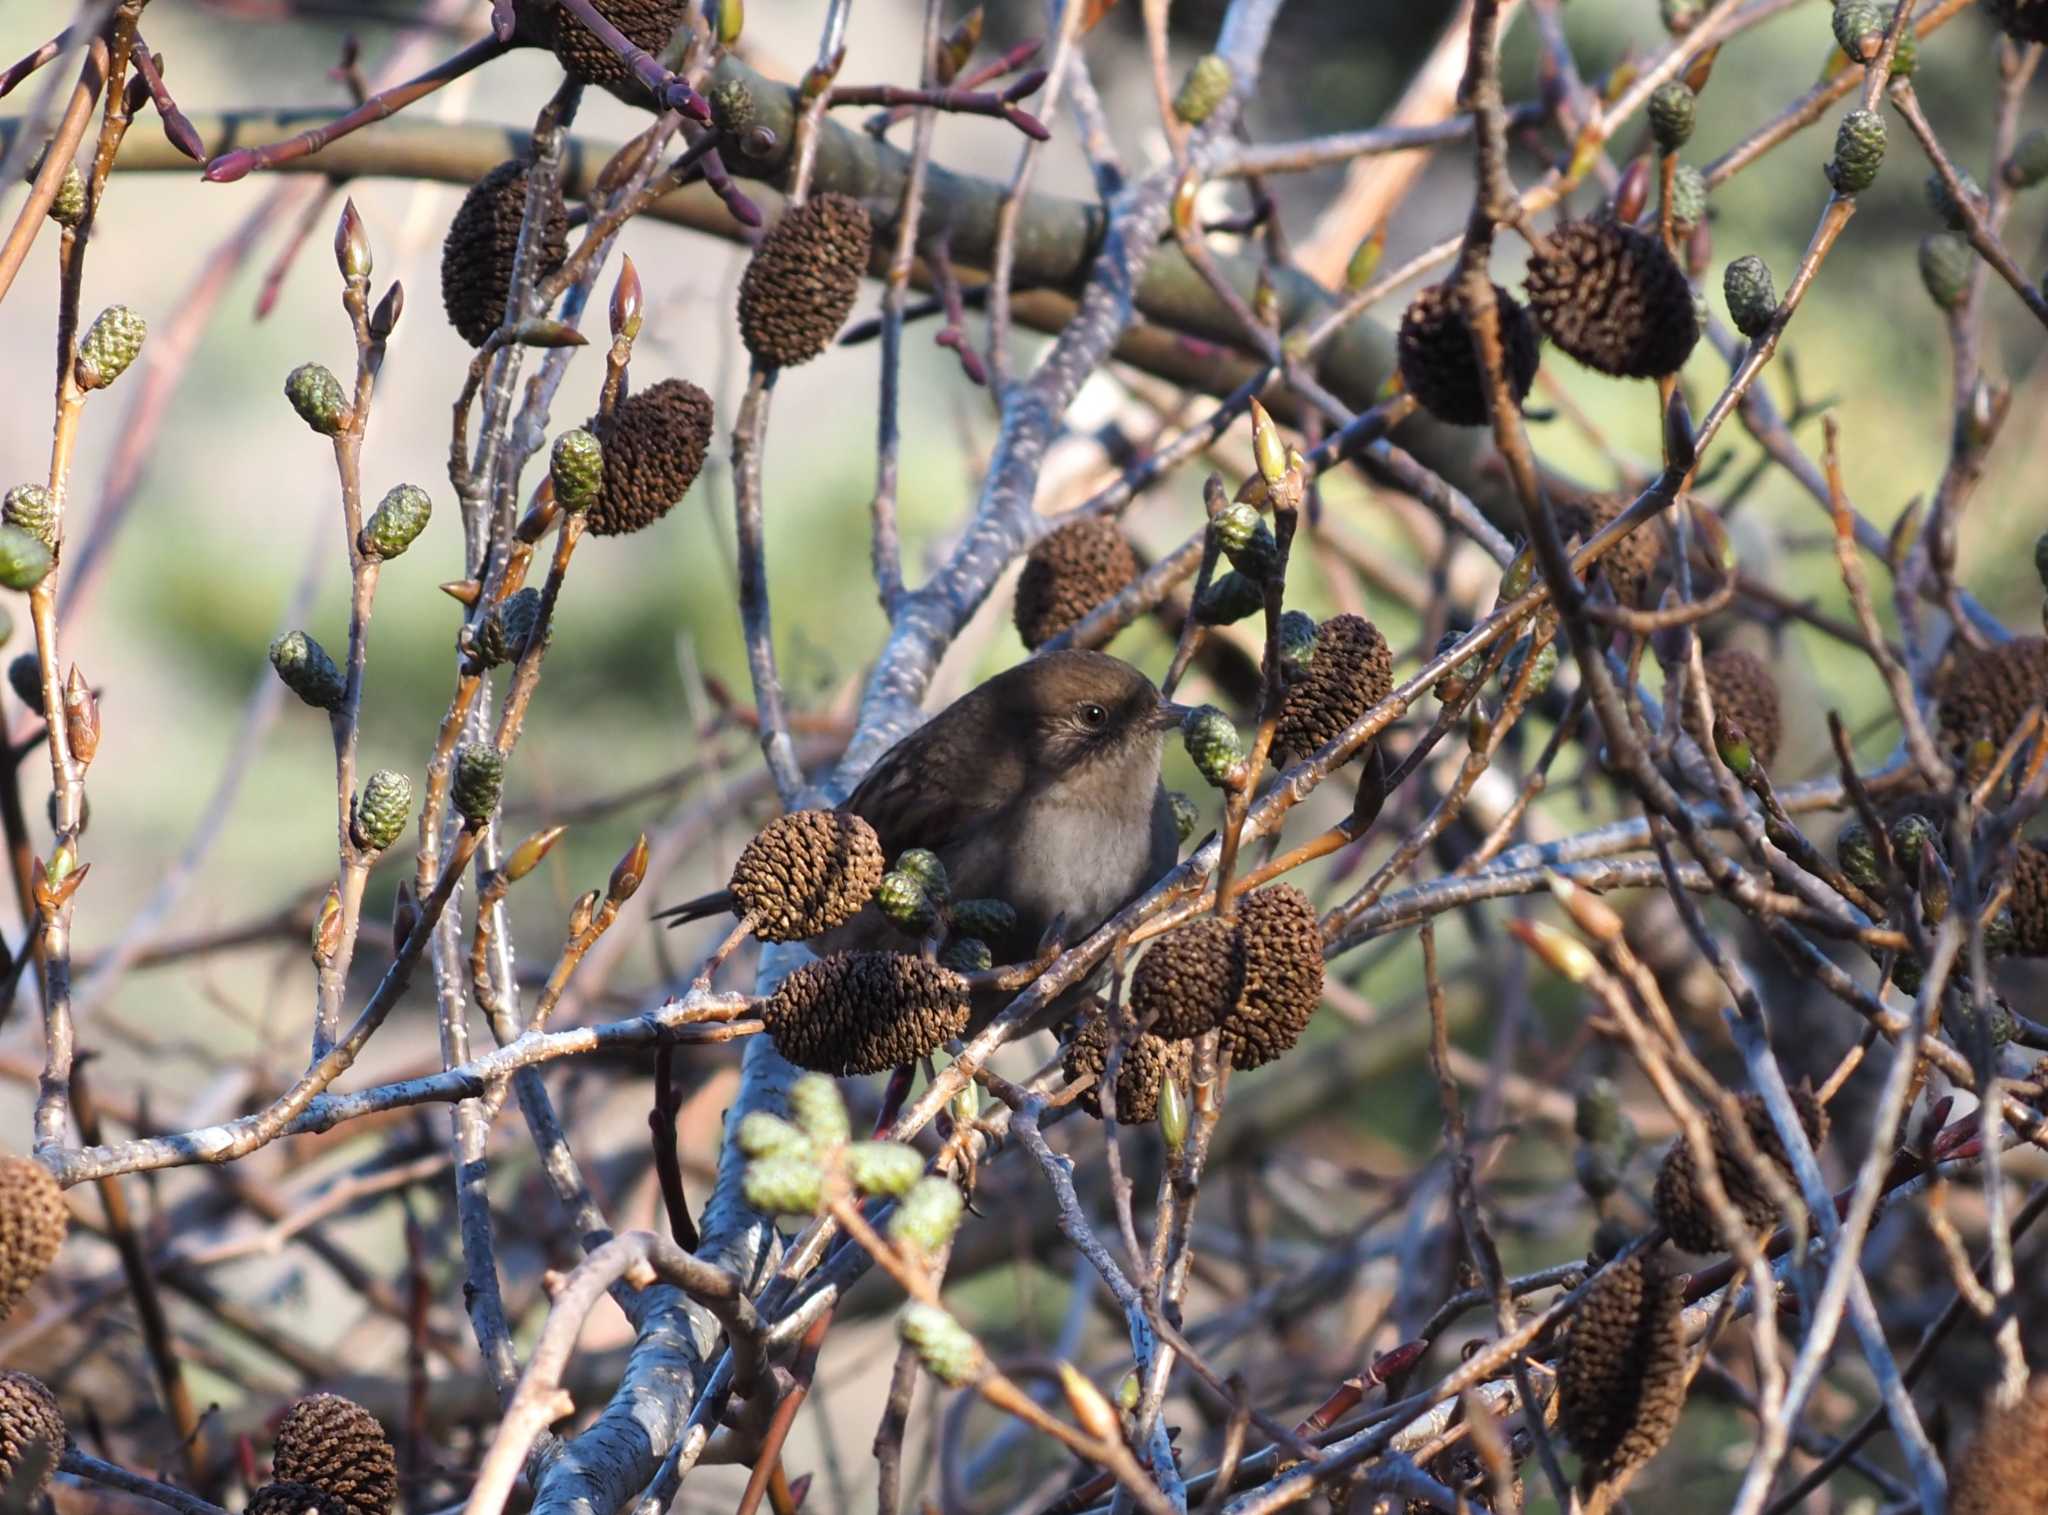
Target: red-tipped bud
{"x":384,"y":319}
{"x":1633,"y":192}
{"x":628,"y":873}
{"x":543,"y":514}
{"x":230,"y":166}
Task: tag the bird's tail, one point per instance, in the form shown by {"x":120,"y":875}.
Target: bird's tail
{"x":696,"y":909}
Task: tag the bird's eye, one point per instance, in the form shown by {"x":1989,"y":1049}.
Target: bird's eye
{"x":1093,"y":716}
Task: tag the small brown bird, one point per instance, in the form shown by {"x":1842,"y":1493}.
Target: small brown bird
{"x":1039,"y":788}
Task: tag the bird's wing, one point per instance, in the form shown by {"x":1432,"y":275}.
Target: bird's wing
{"x":696,"y":909}
{"x":915,"y":795}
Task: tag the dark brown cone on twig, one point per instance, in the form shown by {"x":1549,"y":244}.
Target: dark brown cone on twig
{"x":2029,"y":901}
{"x":1068,"y":573}
{"x":1984,"y":694}
{"x":338,"y":1447}
{"x":1744,"y":693}
{"x":1350,"y":671}
{"x":284,"y":1497}
{"x":1282,"y":944}
{"x":1440,"y":366}
{"x":1190,"y":980}
{"x":800,"y":285}
{"x":653,"y":444}
{"x":2004,"y":1469}
{"x":647,"y":24}
{"x":477,"y":253}
{"x":31,"y":1432}
{"x":1682,"y":1208}
{"x":1621,"y":1382}
{"x":1143,"y":1070}
{"x":1631,"y":563}
{"x":1613,"y":298}
{"x":33,"y":1220}
{"x":807,"y":872}
{"x":865,"y":1012}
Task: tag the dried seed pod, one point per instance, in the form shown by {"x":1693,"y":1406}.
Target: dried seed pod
{"x":2022,"y":20}
{"x":865,"y":1012}
{"x":283,"y":1497}
{"x":1144,"y":1068}
{"x":1744,"y":693}
{"x":109,"y":345}
{"x":1613,"y":298}
{"x":30,"y":507}
{"x":1629,"y":564}
{"x":1067,"y":574}
{"x":31,"y":1433}
{"x":1441,"y":368}
{"x":654,"y":443}
{"x":800,"y":285}
{"x":337,"y":1446}
{"x":1189,"y":980}
{"x":647,"y":24}
{"x":1984,"y":694}
{"x":2029,"y":905}
{"x":307,"y":671}
{"x":33,"y":1220}
{"x":806,"y":873}
{"x":1351,"y":671}
{"x":2004,"y":1469}
{"x":1621,"y":1382}
{"x":317,"y":396}
{"x":1681,"y":1207}
{"x":1282,"y":943}
{"x":382,"y":810}
{"x":478,"y":252}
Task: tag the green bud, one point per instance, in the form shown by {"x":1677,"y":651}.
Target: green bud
{"x":764,"y":1135}
{"x":1912,"y":834}
{"x":1673,"y":108}
{"x":884,"y":1168}
{"x":318,"y":398}
{"x":1235,"y":526}
{"x":1297,"y":642}
{"x":1207,"y":86}
{"x":502,"y":634}
{"x":2028,"y":164}
{"x":1516,"y":578}
{"x":1598,"y":1173}
{"x":110,"y":344}
{"x":1751,"y":295}
{"x":1186,"y":815}
{"x":923,"y":865}
{"x":1546,"y":666}
{"x":1947,"y":209}
{"x":967,"y":954}
{"x":949,"y":1353}
{"x":928,"y":1215}
{"x":577,"y":468}
{"x":1856,"y":854}
{"x":983,"y":918}
{"x":68,"y":208}
{"x":1733,"y":747}
{"x":815,"y":1104}
{"x":786,"y":1185}
{"x":382,"y":810}
{"x":1946,"y":264}
{"x":1212,"y":742}
{"x":1680,"y":16}
{"x":1859,"y":28}
{"x":479,"y":781}
{"x":307,"y":670}
{"x":1859,"y":151}
{"x":1173,"y":1114}
{"x":1688,"y":198}
{"x":1596,"y":1114}
{"x":397,"y":521}
{"x":30,"y":507}
{"x":903,"y":900}
{"x":1230,"y":597}
{"x":1258,"y":558}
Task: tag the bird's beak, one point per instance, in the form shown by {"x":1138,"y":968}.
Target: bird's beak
{"x":1169,"y":715}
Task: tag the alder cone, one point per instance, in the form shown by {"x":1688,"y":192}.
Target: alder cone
{"x":647,"y":24}
{"x":1141,"y":1073}
{"x":1621,"y":1382}
{"x":653,"y":444}
{"x":33,"y":1221}
{"x":338,"y":1447}
{"x":31,"y":1429}
{"x":1440,"y":366}
{"x":1350,"y":671}
{"x":806,"y":873}
{"x":1985,"y":694}
{"x":1067,"y":573}
{"x":477,"y":254}
{"x":865,"y":1012}
{"x":801,"y":283}
{"x":1613,"y":298}
{"x":1745,"y":693}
